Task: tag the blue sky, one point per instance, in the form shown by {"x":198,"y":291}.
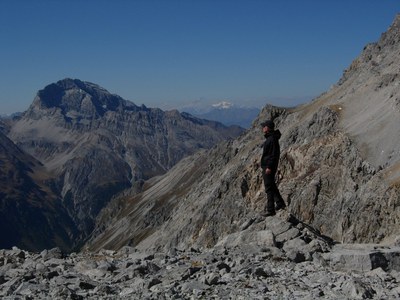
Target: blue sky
{"x":169,"y":53}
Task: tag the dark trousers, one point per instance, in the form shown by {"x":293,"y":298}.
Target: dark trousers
{"x":273,"y":195}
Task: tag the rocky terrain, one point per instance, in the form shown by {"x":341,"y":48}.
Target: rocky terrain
{"x":94,"y":145}
{"x":274,"y":258}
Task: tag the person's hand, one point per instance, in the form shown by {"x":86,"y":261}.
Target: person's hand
{"x":268,"y":171}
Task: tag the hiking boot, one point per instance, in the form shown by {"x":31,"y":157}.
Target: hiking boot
{"x":280,"y":206}
{"x":269,"y":213}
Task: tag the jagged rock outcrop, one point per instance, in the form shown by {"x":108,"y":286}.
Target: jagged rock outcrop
{"x":327,"y":178}
{"x":95,"y":144}
{"x":31,"y":215}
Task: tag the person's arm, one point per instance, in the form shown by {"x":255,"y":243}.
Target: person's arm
{"x":274,"y":157}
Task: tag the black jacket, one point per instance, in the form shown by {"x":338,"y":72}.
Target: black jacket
{"x":271,"y":151}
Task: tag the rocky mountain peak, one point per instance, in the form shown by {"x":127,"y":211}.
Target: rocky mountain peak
{"x":76,"y":98}
{"x":96,"y":144}
{"x":396,"y":22}
{"x":378,"y":55}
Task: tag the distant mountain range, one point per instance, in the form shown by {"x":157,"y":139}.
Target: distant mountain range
{"x":226,"y":113}
{"x":10,"y":116}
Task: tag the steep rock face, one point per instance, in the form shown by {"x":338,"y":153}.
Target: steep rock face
{"x":31,"y":215}
{"x":330,"y":185}
{"x":97,"y":144}
{"x":368,"y":95}
{"x":337,"y":172}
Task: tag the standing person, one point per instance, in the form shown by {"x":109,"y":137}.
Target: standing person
{"x":269,"y":165}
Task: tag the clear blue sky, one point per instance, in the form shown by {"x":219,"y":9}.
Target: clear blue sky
{"x":168,"y":53}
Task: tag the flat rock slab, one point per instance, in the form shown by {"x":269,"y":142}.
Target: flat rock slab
{"x":262,"y":238}
{"x":363,"y":257}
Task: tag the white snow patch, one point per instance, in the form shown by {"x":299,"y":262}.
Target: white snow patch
{"x":223,"y":105}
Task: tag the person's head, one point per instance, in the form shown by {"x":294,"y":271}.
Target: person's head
{"x":268,"y":126}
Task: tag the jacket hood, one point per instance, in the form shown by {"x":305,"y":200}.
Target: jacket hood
{"x":275,"y":133}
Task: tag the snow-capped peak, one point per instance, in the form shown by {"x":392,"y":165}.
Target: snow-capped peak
{"x":223,"y":105}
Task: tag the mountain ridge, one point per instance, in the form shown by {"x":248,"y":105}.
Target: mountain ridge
{"x":227,"y":113}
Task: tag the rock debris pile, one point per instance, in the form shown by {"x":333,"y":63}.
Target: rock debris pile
{"x":285,"y":261}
